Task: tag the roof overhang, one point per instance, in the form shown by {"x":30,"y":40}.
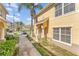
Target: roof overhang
{"x":42,"y":21}
{"x":49,"y":6}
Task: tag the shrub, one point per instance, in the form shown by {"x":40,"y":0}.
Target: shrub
{"x":9,"y":37}
{"x":7,"y":48}
{"x":16,"y":34}
{"x":30,"y":38}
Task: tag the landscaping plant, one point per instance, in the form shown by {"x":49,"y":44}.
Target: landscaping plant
{"x":7,"y":48}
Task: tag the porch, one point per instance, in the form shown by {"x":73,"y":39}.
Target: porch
{"x":42,"y":30}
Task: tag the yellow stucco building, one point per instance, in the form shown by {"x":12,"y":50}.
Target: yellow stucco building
{"x":3,"y":24}
{"x":59,"y":23}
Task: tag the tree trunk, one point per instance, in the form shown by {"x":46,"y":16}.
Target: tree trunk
{"x":31,"y":24}
{"x":32,"y":15}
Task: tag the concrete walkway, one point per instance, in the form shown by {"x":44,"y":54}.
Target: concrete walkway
{"x":26,"y":48}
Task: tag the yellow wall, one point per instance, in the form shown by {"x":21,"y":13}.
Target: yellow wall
{"x":68,"y":20}
{"x":2,"y":22}
{"x":3,"y":11}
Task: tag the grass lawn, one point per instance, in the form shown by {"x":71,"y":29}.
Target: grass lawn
{"x":42,"y":50}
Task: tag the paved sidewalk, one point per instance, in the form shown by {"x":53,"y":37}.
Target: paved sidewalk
{"x":26,"y":48}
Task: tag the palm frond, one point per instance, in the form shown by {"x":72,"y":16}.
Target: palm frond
{"x":24,"y":5}
{"x":29,"y":6}
{"x":39,"y":6}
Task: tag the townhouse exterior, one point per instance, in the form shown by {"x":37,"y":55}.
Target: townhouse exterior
{"x":59,"y":23}
{"x":3,"y":24}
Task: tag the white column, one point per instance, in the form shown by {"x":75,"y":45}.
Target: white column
{"x":3,"y":34}
{"x":42,"y":35}
{"x":36,"y":34}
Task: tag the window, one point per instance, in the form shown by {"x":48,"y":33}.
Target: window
{"x":56,"y":33}
{"x":68,"y":7}
{"x":62,"y":34}
{"x":58,"y":9}
{"x":66,"y":35}
{"x":64,"y":8}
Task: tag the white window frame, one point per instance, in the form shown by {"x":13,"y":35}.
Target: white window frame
{"x":69,"y":44}
{"x":58,"y":10}
{"x":56,"y":33}
{"x":65,"y":6}
{"x":63,"y":11}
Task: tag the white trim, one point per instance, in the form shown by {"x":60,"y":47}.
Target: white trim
{"x":71,"y":36}
{"x":67,"y":4}
{"x":69,"y":44}
{"x":63,"y":11}
{"x":62,"y":42}
{"x":65,"y":15}
{"x":59,"y":34}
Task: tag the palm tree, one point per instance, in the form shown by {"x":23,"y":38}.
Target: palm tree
{"x":19,"y":25}
{"x":31,"y":7}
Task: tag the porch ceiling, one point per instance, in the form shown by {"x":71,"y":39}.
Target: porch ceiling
{"x":43,"y":23}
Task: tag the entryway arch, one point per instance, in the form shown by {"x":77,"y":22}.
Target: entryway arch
{"x":2,"y":30}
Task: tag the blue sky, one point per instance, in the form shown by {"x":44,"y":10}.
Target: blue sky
{"x":23,"y":15}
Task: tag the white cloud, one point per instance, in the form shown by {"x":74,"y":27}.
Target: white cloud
{"x":28,"y":19}
{"x":36,"y":4}
{"x":9,"y":9}
{"x":6,"y":4}
{"x":10,"y":18}
{"x":16,"y":19}
{"x":18,"y":14}
{"x":27,"y":23}
{"x":13,"y":5}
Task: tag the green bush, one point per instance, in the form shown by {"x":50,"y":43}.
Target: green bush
{"x":7,"y":48}
{"x":9,"y":37}
{"x":29,"y":38}
{"x":16,"y":34}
